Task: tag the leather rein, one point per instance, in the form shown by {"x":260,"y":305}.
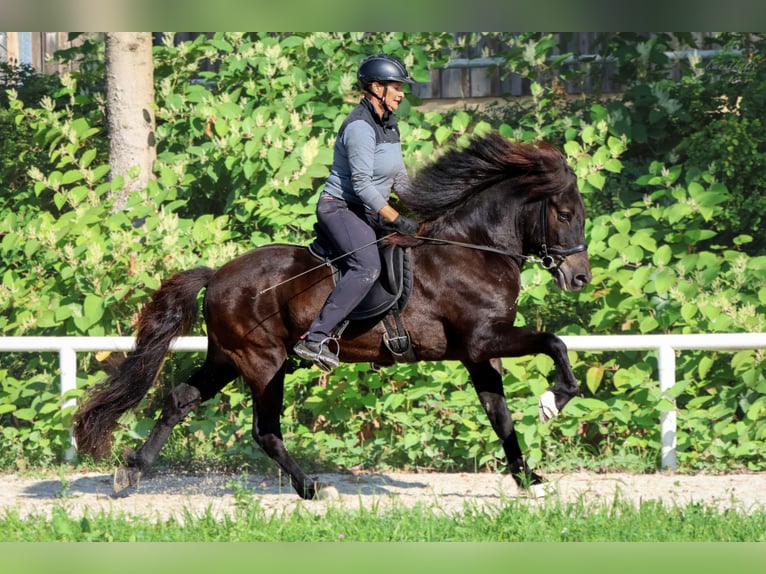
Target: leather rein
{"x":546,"y":259}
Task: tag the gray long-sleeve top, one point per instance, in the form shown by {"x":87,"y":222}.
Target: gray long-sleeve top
{"x":367,"y":159}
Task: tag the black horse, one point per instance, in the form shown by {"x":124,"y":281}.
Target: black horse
{"x":484,"y":210}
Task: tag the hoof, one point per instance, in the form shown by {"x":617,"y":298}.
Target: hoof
{"x":326,"y":492}
{"x":537,"y":491}
{"x":125,"y":477}
{"x":546,"y":406}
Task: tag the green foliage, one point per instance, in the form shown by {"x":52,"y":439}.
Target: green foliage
{"x":378,"y":419}
{"x":513,"y":520}
{"x":671,"y":178}
{"x":253,"y":138}
{"x":71,"y":265}
{"x":710,"y":119}
{"x":20,"y":82}
{"x":29,"y":85}
{"x":724,"y":133}
{"x":35,"y":429}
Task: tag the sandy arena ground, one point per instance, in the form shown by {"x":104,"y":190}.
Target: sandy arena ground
{"x":164,"y":494}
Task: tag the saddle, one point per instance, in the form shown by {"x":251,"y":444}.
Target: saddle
{"x":387,"y":297}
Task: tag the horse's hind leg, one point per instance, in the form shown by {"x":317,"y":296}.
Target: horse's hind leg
{"x":267,"y":432}
{"x":488,"y":382}
{"x":183,"y":399}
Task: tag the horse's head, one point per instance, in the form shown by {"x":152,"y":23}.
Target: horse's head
{"x":521,"y":198}
{"x":561,"y":239}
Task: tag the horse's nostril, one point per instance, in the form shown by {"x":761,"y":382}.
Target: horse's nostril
{"x":582,"y":279}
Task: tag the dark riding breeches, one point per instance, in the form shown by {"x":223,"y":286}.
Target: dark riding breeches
{"x":348,"y":229}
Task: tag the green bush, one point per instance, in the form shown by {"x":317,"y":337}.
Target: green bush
{"x":242,"y":151}
{"x":20,"y":82}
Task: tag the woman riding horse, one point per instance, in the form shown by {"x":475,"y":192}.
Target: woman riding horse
{"x":353,"y":210}
{"x":484,"y":211}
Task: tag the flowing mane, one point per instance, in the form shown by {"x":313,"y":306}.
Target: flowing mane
{"x":460,"y":173}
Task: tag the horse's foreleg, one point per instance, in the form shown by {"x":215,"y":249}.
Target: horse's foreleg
{"x":564,"y":383}
{"x":267,"y":432}
{"x":488,"y":382}
{"x":522,"y":342}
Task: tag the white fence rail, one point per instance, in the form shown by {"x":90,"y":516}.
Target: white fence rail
{"x":666,"y":347}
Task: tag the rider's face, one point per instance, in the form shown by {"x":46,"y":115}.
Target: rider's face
{"x":392,"y":97}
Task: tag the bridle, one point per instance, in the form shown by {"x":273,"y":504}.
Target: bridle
{"x":546,"y":259}
{"x":545,"y":252}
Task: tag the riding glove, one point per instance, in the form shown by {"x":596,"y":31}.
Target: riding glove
{"x":405,"y":225}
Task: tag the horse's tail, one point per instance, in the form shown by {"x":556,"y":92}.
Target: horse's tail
{"x":170,"y":313}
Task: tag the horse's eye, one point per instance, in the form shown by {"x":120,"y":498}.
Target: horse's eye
{"x":565,"y":216}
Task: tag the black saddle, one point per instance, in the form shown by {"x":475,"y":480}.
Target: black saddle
{"x":393,"y":287}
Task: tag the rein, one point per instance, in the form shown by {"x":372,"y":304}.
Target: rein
{"x":327,"y":263}
{"x":546,"y":260}
{"x":486,"y":248}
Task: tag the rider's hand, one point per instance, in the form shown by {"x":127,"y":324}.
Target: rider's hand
{"x":405,"y":225}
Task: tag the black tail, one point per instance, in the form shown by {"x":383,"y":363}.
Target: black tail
{"x":170,"y":313}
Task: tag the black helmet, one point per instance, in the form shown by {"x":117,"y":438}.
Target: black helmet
{"x":382,"y":68}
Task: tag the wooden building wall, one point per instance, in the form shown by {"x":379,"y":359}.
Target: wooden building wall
{"x":34,"y":48}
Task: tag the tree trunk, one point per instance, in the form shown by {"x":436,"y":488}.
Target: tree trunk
{"x":130,"y":95}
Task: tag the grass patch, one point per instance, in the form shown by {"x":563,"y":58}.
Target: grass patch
{"x":512,"y":521}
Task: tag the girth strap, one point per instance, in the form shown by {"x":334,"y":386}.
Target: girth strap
{"x":397,"y":339}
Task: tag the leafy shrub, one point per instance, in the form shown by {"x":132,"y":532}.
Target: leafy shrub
{"x":20,"y":82}
{"x":241,"y":153}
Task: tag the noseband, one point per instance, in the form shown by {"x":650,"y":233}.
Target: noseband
{"x":546,"y":253}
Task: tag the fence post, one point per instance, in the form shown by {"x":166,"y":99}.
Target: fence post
{"x":667,"y":368}
{"x":68,"y":366}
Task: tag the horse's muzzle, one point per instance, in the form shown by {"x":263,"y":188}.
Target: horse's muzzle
{"x":573,"y":273}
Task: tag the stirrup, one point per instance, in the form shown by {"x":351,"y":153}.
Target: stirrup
{"x":322,"y":360}
{"x":325,"y":344}
{"x":323,"y":357}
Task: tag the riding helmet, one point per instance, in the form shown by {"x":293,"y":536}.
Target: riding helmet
{"x":382,"y":68}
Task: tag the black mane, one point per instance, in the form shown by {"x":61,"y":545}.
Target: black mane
{"x":441,"y":187}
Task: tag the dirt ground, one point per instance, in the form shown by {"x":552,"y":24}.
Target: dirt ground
{"x":165,"y":494}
